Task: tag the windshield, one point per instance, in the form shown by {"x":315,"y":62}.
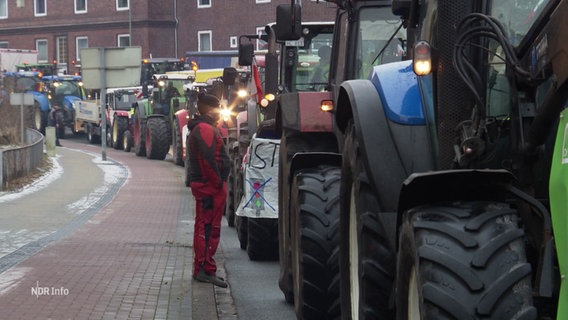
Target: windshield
{"x":517,"y":16}
{"x":26,"y":84}
{"x":381,"y":40}
{"x":124,"y":101}
{"x":313,"y":63}
{"x":68,"y":88}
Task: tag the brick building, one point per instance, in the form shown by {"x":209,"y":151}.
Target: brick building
{"x":163,"y":28}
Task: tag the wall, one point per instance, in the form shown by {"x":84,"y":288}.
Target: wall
{"x":18,"y":162}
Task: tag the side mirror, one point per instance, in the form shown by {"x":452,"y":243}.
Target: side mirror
{"x":401,"y":8}
{"x":288,"y":22}
{"x":246,"y":54}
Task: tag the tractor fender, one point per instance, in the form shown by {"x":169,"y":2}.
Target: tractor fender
{"x":361,"y":102}
{"x":311,"y":160}
{"x":68,"y":102}
{"x":449,"y":185}
{"x":41,"y":100}
{"x":140,"y":106}
{"x":388,"y":117}
{"x":182,"y":117}
{"x":122,"y":113}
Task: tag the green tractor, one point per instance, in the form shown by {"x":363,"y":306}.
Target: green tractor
{"x":153,"y":127}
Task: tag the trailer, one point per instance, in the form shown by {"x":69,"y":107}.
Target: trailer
{"x":11,"y":58}
{"x":211,"y":59}
{"x":87,"y":119}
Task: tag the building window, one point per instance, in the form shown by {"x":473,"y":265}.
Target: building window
{"x":204,"y":40}
{"x":80,"y":43}
{"x":122,"y":4}
{"x":61,"y":50}
{"x":4,"y":44}
{"x":123,"y":40}
{"x":262,"y":1}
{"x":41,"y":47}
{"x":80,"y":6}
{"x":204,"y":3}
{"x":39,"y":8}
{"x":233,"y":41}
{"x":3,"y":9}
{"x":261,"y":44}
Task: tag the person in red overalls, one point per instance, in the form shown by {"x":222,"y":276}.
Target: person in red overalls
{"x":209,"y":167}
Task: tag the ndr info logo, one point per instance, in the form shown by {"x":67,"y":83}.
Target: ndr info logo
{"x":49,"y":291}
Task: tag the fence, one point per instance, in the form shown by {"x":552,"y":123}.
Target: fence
{"x":18,"y":162}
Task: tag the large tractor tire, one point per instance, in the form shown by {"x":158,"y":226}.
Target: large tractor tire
{"x":157,"y":138}
{"x":127,"y":141}
{"x":367,"y":261}
{"x":177,"y":144}
{"x":262,"y":239}
{"x":314,"y":221}
{"x":241,"y":224}
{"x":119,"y":126}
{"x":233,"y":198}
{"x":230,"y":202}
{"x":139,"y":136}
{"x":463,"y":261}
{"x":92,"y":138}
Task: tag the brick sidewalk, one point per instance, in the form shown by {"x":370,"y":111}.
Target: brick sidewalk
{"x":130,"y":260}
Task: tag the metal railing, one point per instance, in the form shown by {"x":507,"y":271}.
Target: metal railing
{"x":20,"y":161}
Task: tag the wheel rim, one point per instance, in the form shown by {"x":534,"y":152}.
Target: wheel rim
{"x":413,"y":296}
{"x":353,"y":257}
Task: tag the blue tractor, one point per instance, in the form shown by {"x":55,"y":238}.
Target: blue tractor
{"x":64,"y":91}
{"x":31,"y":82}
{"x":452,"y":192}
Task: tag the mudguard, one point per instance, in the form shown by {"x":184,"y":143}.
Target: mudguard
{"x":392,"y":147}
{"x":398,"y":88}
{"x":41,"y":100}
{"x":68,"y":102}
{"x":464,"y":184}
{"x":122,"y":113}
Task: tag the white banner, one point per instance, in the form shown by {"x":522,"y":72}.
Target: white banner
{"x":260,"y":167}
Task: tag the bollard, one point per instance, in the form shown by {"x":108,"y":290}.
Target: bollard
{"x":50,"y":141}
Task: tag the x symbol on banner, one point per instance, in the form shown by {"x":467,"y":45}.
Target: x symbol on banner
{"x":256,"y":193}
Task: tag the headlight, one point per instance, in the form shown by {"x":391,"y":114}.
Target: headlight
{"x":242,"y":93}
{"x":225,"y":114}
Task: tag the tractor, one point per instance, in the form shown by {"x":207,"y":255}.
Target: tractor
{"x":366,"y":34}
{"x":30,"y":82}
{"x":64,"y":91}
{"x":453,"y":186}
{"x":153,"y":127}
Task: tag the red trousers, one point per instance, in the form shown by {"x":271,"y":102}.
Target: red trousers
{"x":209,"y":208}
